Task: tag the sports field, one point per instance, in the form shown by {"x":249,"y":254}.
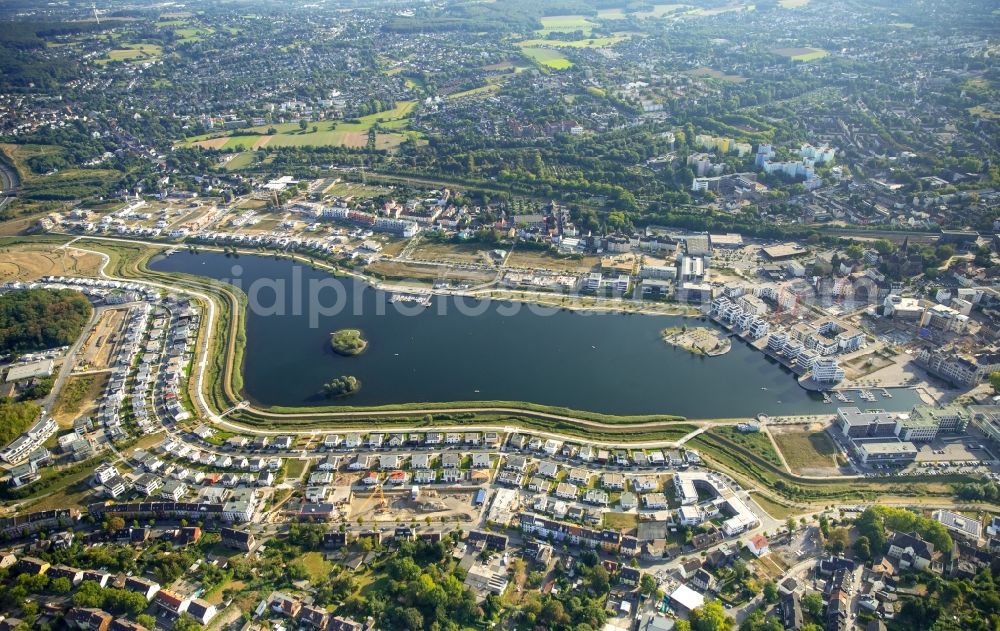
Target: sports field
{"x":547,"y":57}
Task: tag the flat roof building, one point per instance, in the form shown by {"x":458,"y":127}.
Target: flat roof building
{"x":42,"y":368}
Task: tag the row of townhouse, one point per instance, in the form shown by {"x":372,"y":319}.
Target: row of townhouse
{"x":597,"y":455}
{"x":240,"y":506}
{"x":129,"y":346}
{"x":178,"y":450}
{"x":35,"y":521}
{"x":541,"y":527}
{"x":378,"y":440}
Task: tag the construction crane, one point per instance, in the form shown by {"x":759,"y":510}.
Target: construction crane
{"x":377,"y":494}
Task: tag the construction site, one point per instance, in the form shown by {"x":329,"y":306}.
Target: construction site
{"x":101,"y":340}
{"x":413,"y":504}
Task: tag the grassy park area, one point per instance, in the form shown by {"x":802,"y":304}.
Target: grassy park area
{"x":547,"y":57}
{"x":133,"y":53}
{"x":391,"y":131}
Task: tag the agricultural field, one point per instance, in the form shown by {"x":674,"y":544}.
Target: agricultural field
{"x":133,"y":53}
{"x":547,"y":57}
{"x":801,"y":53}
{"x":565,"y":24}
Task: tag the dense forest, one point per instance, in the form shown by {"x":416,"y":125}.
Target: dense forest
{"x":38,"y":319}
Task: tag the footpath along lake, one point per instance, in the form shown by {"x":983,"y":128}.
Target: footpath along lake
{"x":460,"y":349}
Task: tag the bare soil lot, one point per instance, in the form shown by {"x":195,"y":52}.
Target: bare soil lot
{"x":446,"y":505}
{"x":28,"y":262}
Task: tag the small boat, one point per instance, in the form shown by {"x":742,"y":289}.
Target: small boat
{"x":476,"y":391}
{"x":763,"y":388}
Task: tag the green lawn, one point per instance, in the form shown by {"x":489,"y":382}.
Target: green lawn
{"x":547,"y":57}
{"x":241,"y":161}
{"x":316,"y":565}
{"x":294,"y":467}
{"x":621,"y":521}
{"x":188,"y":35}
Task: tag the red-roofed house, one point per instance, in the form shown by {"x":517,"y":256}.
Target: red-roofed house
{"x":758,"y":545}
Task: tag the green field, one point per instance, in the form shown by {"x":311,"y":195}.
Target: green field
{"x":189,"y":35}
{"x":801,"y":54}
{"x":565,"y":24}
{"x":337,"y":133}
{"x":133,"y":52}
{"x":241,"y":161}
{"x":597,"y":42}
{"x":547,"y":57}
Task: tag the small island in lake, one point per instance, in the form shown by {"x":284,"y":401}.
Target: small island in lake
{"x":342,"y":386}
{"x":348,"y":342}
{"x":698,"y":340}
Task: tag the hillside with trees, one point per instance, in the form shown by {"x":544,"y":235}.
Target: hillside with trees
{"x":37,"y":319}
